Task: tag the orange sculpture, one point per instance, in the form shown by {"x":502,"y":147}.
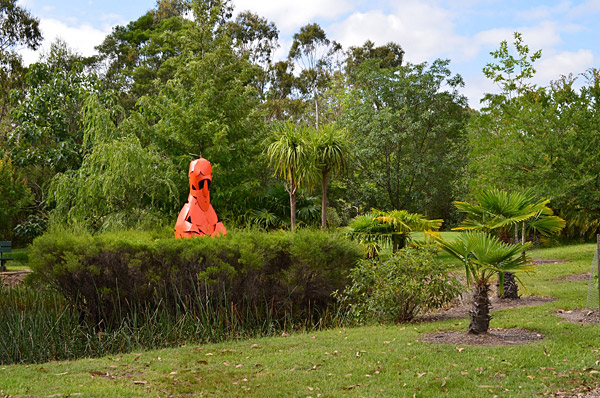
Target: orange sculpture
{"x":197,"y":217}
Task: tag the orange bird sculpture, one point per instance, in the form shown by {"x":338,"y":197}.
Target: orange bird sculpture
{"x":197,"y":217}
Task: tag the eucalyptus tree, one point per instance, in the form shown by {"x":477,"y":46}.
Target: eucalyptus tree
{"x":332,"y":154}
{"x":291,"y":155}
{"x":483,"y":256}
{"x":313,"y":51}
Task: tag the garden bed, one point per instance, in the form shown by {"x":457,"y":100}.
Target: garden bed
{"x":495,"y":337}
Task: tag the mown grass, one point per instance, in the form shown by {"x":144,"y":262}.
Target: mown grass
{"x":355,"y":362}
{"x":20,"y":260}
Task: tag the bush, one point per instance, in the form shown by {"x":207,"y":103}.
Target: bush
{"x":109,"y":274}
{"x":405,"y":285}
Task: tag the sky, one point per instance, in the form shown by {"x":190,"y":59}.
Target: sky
{"x":464,"y":31}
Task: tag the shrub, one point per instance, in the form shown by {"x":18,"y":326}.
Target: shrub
{"x":405,"y":285}
{"x":109,"y":274}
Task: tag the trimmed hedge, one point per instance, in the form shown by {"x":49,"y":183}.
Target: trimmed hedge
{"x":109,"y":275}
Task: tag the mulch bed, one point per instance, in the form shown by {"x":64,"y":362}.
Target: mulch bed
{"x":462,"y":307}
{"x":585,"y":277}
{"x":13,"y":278}
{"x":581,"y":316}
{"x":494,"y":337}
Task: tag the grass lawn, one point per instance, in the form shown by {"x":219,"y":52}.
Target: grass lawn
{"x":368,"y":361}
{"x":21,"y":260}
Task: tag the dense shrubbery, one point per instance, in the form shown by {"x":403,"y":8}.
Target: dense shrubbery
{"x":405,"y":285}
{"x":109,"y":274}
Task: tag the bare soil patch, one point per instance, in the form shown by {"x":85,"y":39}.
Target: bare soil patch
{"x":542,"y":261}
{"x":574,"y":278}
{"x":578,"y":392}
{"x":494,"y":337}
{"x":461,"y":307}
{"x":13,"y":278}
{"x":581,"y":316}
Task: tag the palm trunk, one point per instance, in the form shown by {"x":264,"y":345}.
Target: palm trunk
{"x":293,"y":209}
{"x":480,"y":312}
{"x":324,"y":200}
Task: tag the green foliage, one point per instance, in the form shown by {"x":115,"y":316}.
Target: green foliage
{"x":291,"y":155}
{"x":109,"y":274}
{"x":48,"y":127}
{"x":14,"y":197}
{"x":392,"y":228}
{"x":511,"y":73}
{"x":500,"y":210}
{"x":407,"y":284}
{"x":539,"y":138}
{"x":484,"y":255}
{"x":407,"y":124}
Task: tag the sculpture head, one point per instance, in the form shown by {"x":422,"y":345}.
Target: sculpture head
{"x":200,"y":176}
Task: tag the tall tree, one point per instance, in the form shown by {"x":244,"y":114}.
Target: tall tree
{"x":313,"y":51}
{"x":17,"y":28}
{"x":408,"y":126}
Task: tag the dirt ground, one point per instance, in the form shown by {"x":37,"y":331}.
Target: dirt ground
{"x":581,"y":316}
{"x":12,"y":278}
{"x":543,"y":261}
{"x":585,"y":277}
{"x":494,"y":337}
{"x":460,"y":309}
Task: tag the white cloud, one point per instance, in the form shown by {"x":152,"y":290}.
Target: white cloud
{"x":563,"y":63}
{"x":544,"y":12}
{"x":424,"y":31}
{"x":545,"y":35}
{"x":81,"y":38}
{"x":290,"y":15}
{"x":587,"y":7}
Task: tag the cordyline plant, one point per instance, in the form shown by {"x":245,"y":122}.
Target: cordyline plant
{"x":484,"y":256}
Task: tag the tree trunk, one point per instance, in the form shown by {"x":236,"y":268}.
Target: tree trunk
{"x":293,"y":209}
{"x":324,"y":200}
{"x":511,"y":289}
{"x":480,"y":312}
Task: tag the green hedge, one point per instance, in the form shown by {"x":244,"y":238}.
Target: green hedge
{"x":108,"y":275}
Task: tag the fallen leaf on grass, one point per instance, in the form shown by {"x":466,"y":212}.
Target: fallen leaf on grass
{"x":460,"y":349}
{"x":97,"y":373}
{"x":352,"y":387}
{"x":239,"y":365}
{"x":419,"y":375}
{"x":254,"y":346}
{"x":284,"y":334}
{"x":140,"y":382}
{"x":202,"y":362}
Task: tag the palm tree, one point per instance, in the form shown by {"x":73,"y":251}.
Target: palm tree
{"x":500,"y":212}
{"x":391,"y":227}
{"x":291,"y":155}
{"x":483,"y":256}
{"x":332,"y":150}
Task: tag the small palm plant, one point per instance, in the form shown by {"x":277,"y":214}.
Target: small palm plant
{"x":390,"y":227}
{"x":484,"y":256}
{"x":500,"y":212}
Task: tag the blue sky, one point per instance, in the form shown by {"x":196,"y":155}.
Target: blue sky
{"x":464,"y":31}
